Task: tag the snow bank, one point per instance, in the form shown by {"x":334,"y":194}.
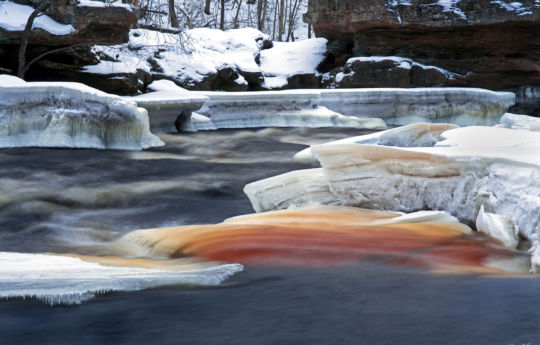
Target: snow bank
{"x":285,"y":60}
{"x":13,"y":17}
{"x":69,"y":115}
{"x":69,"y":280}
{"x":189,"y":58}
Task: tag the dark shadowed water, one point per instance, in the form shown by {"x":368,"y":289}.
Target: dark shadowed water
{"x":72,"y":200}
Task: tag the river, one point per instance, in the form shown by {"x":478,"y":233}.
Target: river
{"x":60,"y":200}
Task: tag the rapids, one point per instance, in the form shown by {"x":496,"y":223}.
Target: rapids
{"x":78,"y":202}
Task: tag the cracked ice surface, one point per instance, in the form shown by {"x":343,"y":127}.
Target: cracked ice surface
{"x":47,"y":114}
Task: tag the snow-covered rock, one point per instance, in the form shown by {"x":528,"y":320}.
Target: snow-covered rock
{"x":499,"y":227}
{"x":388,"y":71}
{"x":287,"y":59}
{"x":413,"y":135}
{"x":59,"y":279}
{"x":13,"y":17}
{"x":69,"y":115}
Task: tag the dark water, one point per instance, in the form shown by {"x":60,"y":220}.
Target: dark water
{"x":72,"y":200}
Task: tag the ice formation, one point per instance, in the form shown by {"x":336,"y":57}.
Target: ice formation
{"x":496,"y":168}
{"x":413,"y":135}
{"x":50,"y":114}
{"x":500,"y":227}
{"x":59,"y":279}
{"x":296,"y":188}
{"x":516,"y":121}
{"x":460,"y":106}
{"x":327,"y":236}
{"x":164,"y":107}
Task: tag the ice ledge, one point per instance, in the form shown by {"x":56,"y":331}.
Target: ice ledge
{"x":332,"y":108}
{"x":47,"y":114}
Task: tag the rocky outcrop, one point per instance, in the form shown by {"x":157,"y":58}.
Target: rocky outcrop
{"x":491,"y":43}
{"x":106,"y":24}
{"x":68,"y":24}
{"x":388,"y":71}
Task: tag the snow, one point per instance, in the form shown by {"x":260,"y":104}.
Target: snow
{"x":413,"y":135}
{"x":499,"y":227}
{"x":109,"y":3}
{"x":451,"y":7}
{"x":515,"y":7}
{"x":13,"y":17}
{"x":197,"y":54}
{"x":524,"y":122}
{"x":188,"y":57}
{"x":74,"y":115}
{"x":58,"y":279}
{"x":284,"y":60}
{"x":165,"y":85}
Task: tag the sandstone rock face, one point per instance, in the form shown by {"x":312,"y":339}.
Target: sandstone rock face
{"x":108,"y":24}
{"x":90,"y":23}
{"x":492,"y":43}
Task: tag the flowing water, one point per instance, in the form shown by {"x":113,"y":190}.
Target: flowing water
{"x":74,"y":201}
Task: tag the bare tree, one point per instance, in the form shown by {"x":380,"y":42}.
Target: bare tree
{"x":172,"y":15}
{"x":22,"y":65}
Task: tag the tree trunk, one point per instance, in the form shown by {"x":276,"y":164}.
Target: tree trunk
{"x":172,"y":15}
{"x":207,"y":7}
{"x":235,"y":22}
{"x":222,"y":16}
{"x":22,"y":68}
{"x":281,"y":20}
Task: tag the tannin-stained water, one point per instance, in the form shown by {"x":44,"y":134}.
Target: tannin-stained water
{"x":74,"y":201}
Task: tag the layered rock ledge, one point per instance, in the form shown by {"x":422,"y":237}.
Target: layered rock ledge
{"x":486,"y":43}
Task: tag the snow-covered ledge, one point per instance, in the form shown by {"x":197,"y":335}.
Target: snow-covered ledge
{"x":47,"y":114}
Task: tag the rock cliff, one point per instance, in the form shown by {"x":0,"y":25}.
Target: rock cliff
{"x":493,"y":44}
